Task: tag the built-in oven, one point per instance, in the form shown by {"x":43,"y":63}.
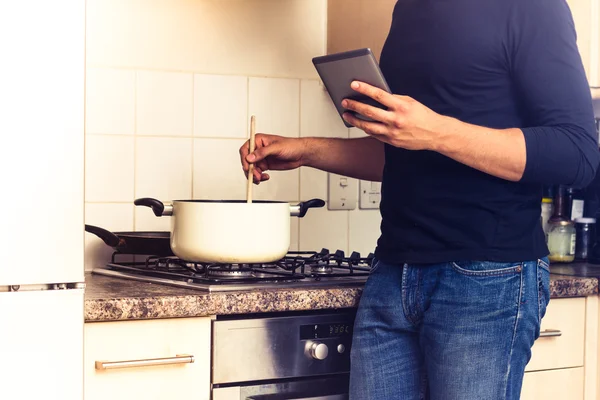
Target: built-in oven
{"x":302,"y":356}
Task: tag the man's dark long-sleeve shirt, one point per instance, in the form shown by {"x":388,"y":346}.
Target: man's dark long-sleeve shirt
{"x":494,"y":63}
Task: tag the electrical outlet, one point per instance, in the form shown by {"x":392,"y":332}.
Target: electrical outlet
{"x":342,"y":192}
{"x":370,"y":195}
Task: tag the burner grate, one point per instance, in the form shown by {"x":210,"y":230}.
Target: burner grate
{"x":294,"y":267}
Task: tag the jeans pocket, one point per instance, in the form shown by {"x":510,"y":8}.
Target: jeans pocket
{"x":486,"y":268}
{"x":375,"y":263}
{"x":543,"y":276}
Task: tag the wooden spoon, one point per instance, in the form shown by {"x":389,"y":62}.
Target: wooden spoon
{"x":251,"y":167}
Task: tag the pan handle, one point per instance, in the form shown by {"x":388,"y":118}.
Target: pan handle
{"x":158,"y":207}
{"x":300,"y":209}
{"x":108,"y":237}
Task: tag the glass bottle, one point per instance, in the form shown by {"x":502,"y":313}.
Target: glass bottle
{"x":561,"y":241}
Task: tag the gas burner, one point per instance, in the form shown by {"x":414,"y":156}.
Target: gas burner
{"x":321,"y":269}
{"x":230,"y":272}
{"x":297,"y":269}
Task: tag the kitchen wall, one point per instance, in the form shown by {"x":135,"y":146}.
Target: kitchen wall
{"x":170,"y":87}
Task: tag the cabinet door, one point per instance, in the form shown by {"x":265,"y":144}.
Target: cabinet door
{"x":145,"y":341}
{"x":42,"y":150}
{"x":41,"y":345}
{"x":560,"y":384}
{"x":585,"y":18}
{"x":566,"y":315}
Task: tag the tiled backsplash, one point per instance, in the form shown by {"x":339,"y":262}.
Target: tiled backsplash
{"x":172,"y":133}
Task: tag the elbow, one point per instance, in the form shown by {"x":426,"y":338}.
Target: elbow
{"x":561,"y":156}
{"x":588,"y":166}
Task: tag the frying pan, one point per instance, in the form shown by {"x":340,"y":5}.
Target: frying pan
{"x":143,"y":243}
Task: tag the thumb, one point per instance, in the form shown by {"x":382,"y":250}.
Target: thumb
{"x":262,"y":153}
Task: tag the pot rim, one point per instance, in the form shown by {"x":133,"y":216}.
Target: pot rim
{"x":232,"y":201}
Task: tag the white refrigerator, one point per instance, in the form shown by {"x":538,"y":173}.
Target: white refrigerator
{"x":42,"y":65}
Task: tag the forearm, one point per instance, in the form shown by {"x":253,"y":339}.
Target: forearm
{"x":498,"y":152}
{"x":549,"y":155}
{"x":356,"y":158}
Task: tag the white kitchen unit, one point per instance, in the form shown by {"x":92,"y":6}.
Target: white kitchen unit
{"x":564,"y":362}
{"x":41,"y":159}
{"x":150,"y":359}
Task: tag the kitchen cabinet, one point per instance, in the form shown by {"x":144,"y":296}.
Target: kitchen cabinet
{"x":353,"y":24}
{"x":563,"y":384}
{"x":586,"y":16}
{"x":108,"y":344}
{"x":565,"y":366}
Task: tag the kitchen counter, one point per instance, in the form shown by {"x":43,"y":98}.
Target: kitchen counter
{"x":112,"y":299}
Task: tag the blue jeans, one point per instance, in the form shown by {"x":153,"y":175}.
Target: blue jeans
{"x":453,"y":331}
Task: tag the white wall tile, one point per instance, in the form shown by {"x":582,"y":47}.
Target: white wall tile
{"x":357,"y":133}
{"x":218,"y":173}
{"x":163,"y":168}
{"x":323,"y":228}
{"x":109,"y":168}
{"x":276,"y":105}
{"x":112,"y":217}
{"x":242,"y":37}
{"x":313,"y":184}
{"x":294,"y":232}
{"x":221,"y":106}
{"x":164,"y":103}
{"x":364,"y":230}
{"x":283,"y":186}
{"x":110,"y":101}
{"x":145,"y":220}
{"x":318,"y":116}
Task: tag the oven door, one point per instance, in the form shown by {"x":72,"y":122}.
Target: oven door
{"x":328,"y":388}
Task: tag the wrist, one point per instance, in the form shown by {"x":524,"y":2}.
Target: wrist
{"x":306,"y":157}
{"x":445,"y":130}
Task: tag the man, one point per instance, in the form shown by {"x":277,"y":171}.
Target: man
{"x":491,"y":102}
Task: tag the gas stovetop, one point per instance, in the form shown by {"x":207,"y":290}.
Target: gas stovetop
{"x":296,"y":270}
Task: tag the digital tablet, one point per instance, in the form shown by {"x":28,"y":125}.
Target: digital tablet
{"x":338,"y":71}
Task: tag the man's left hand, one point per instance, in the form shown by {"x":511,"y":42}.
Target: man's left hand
{"x":406,"y":123}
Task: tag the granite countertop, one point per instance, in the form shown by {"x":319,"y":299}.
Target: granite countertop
{"x":113,"y":299}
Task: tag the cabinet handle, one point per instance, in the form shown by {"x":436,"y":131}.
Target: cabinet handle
{"x":179,"y":359}
{"x":551,"y":333}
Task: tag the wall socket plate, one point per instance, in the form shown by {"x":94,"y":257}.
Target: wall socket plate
{"x":342,"y":192}
{"x":370,"y":195}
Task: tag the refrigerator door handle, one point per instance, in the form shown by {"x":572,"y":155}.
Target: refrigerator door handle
{"x":178,"y":359}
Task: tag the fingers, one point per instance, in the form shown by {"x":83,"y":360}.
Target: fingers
{"x":383,"y":97}
{"x":371,"y":128}
{"x":374,"y":113}
{"x":244,"y":150}
{"x":261,"y":153}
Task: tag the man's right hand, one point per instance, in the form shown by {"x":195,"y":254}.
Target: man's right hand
{"x":275,"y":153}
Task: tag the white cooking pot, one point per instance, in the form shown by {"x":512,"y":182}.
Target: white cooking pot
{"x":229,"y":231}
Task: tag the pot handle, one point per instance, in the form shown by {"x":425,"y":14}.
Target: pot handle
{"x":300,"y":209}
{"x":107,"y":237}
{"x":158,"y":207}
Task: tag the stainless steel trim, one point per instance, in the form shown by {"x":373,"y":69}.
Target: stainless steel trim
{"x":294,"y":211}
{"x":42,"y":287}
{"x":272,"y":348}
{"x":308,"y":283}
{"x":150,"y":362}
{"x":550,"y":333}
{"x":168,"y":211}
{"x":334,"y":387}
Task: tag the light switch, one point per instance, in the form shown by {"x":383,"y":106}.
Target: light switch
{"x":370,"y":195}
{"x":342,"y":192}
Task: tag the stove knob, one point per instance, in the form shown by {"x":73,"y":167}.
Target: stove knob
{"x":319,"y":351}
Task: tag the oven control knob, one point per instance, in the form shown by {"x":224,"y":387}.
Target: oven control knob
{"x":319,"y":351}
